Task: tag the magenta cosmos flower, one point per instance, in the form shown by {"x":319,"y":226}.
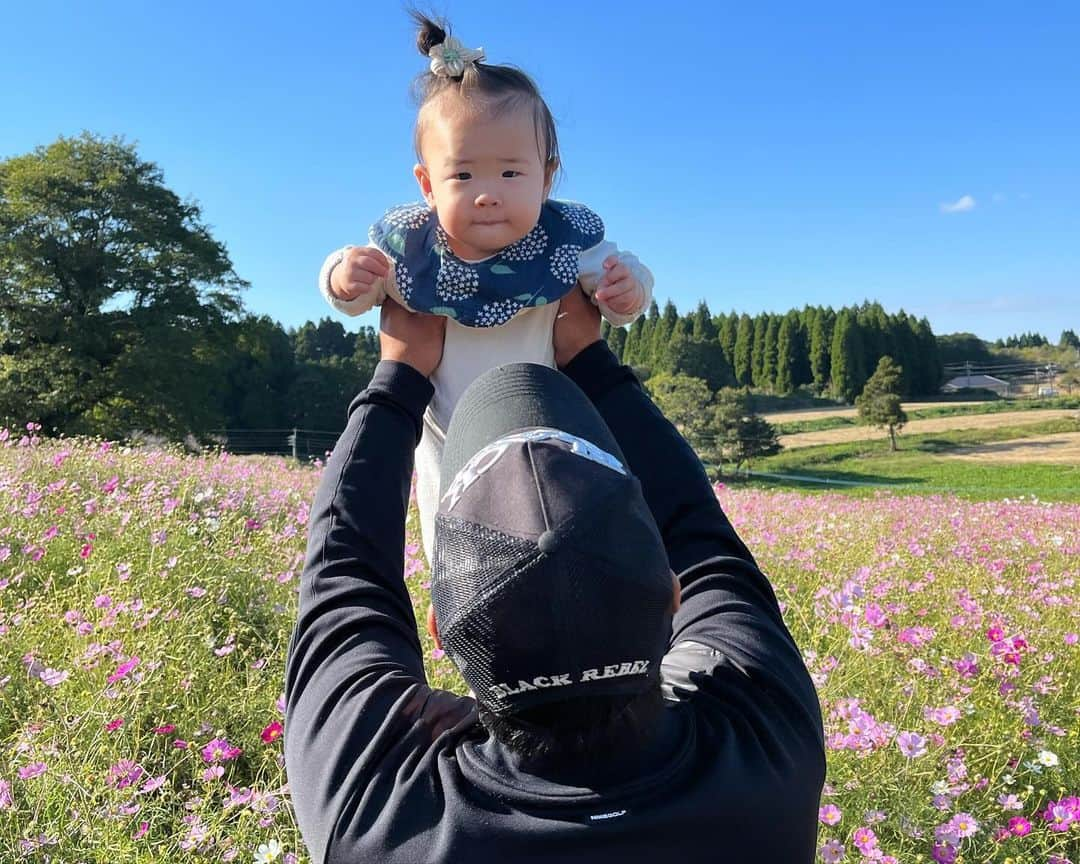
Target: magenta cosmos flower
{"x":220,"y":750}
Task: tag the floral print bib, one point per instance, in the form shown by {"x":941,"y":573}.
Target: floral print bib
{"x":539,"y":268}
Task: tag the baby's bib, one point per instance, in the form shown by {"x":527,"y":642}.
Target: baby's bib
{"x":539,"y":268}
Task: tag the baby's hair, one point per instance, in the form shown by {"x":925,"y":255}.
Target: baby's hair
{"x":496,"y":88}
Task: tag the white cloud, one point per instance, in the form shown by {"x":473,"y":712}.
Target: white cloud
{"x":960,"y":205}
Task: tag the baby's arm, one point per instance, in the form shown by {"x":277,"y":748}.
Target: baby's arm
{"x":355,"y":278}
{"x":616,"y":281}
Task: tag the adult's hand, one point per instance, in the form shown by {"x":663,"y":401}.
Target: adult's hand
{"x":577,"y":326}
{"x":411,"y":337}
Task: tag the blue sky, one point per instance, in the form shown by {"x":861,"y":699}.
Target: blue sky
{"x":761,"y":156}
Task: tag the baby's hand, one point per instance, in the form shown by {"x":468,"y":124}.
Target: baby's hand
{"x":357,"y":272}
{"x":618,"y":289}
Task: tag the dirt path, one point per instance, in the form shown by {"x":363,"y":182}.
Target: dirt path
{"x":919,"y":427}
{"x":1060,"y":449}
{"x":843,"y":411}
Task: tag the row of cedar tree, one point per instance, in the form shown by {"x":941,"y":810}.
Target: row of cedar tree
{"x":832,"y":353}
{"x":120,"y":312}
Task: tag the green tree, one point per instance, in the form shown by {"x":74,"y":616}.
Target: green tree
{"x":685,"y":402}
{"x":768,"y":363}
{"x":821,"y":349}
{"x":787,"y":344}
{"x":879,"y":403}
{"x":727,"y":335}
{"x":631,"y":349}
{"x":744,"y":350}
{"x":757,"y":355}
{"x":1069,"y":339}
{"x":698,"y":359}
{"x":846,"y":358}
{"x":114,"y":296}
{"x":704,"y":329}
{"x":665,"y":329}
{"x":616,"y":338}
{"x":735,"y":433}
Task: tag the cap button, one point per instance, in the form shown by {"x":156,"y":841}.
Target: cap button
{"x":547,"y":542}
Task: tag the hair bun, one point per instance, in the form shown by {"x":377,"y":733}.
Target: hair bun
{"x":430,"y":33}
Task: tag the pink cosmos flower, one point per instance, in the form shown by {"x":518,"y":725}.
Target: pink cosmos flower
{"x":6,"y":801}
{"x":830,"y":814}
{"x":123,"y":774}
{"x":220,"y":750}
{"x":152,"y":785}
{"x":864,"y":839}
{"x":53,"y":677}
{"x":832,"y":852}
{"x":1010,"y":802}
{"x":271,"y":733}
{"x":123,"y":669}
{"x":964,"y":824}
{"x":113,"y":725}
{"x":1019,"y":826}
{"x":911,"y":744}
{"x":166,"y":729}
{"x":34,"y":769}
{"x":140,"y":832}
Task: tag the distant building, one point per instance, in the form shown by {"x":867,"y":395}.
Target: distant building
{"x":977,"y":382}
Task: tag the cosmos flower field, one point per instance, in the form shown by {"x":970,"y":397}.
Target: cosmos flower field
{"x":147,"y":597}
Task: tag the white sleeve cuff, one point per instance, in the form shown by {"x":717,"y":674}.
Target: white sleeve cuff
{"x":358,"y":305}
{"x":591,"y":269}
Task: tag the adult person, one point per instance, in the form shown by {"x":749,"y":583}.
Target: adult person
{"x":619,"y":716}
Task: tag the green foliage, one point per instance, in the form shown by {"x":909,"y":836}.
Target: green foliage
{"x":757,"y":352}
{"x":684,"y":401}
{"x":697,"y":358}
{"x":879,"y":403}
{"x":744,"y":348}
{"x":821,"y":349}
{"x":738,"y":435}
{"x":113,"y":293}
{"x":846,"y":359}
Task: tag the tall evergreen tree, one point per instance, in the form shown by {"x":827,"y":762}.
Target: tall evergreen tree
{"x":665,"y":329}
{"x":704,"y":330}
{"x":617,"y":340}
{"x":648,"y":332}
{"x":768,"y":367}
{"x":847,"y":357}
{"x":821,"y":349}
{"x":757,"y":355}
{"x":743,"y":351}
{"x":632,"y":348}
{"x":933,"y":370}
{"x":786,"y":346}
{"x":728,"y":334}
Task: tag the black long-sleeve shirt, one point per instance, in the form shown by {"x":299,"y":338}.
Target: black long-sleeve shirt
{"x":384,"y":768}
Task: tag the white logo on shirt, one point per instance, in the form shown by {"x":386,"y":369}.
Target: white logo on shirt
{"x":614,"y":814}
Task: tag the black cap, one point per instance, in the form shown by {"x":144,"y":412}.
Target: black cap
{"x":550,"y":579}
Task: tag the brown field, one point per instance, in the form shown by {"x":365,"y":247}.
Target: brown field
{"x":1060,"y":449}
{"x":919,"y":427}
{"x":847,"y":411}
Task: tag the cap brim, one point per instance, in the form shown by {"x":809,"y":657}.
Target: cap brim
{"x":519,"y":396}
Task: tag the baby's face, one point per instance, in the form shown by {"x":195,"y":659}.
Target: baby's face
{"x":483,"y":176}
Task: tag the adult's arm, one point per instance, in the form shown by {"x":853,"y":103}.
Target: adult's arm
{"x":729,"y":623}
{"x":354,"y":672}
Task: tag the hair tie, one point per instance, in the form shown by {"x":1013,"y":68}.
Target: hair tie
{"x":450,"y":57}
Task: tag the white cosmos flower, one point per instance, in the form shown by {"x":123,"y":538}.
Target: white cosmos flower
{"x":1048,"y":759}
{"x":450,"y":58}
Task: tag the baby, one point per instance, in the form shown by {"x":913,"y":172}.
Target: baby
{"x":487,"y":249}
